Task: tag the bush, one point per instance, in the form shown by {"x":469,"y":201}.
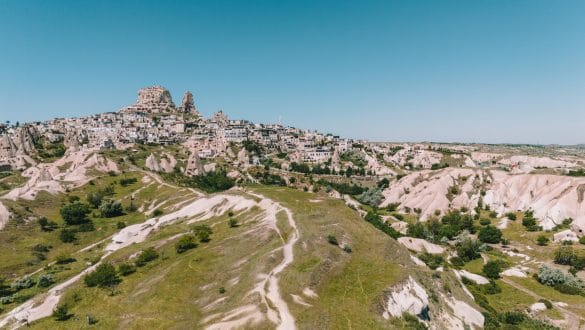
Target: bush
{"x":432,"y":260}
{"x":157,"y":213}
{"x":120,"y":225}
{"x":457,"y":262}
{"x":232,"y":222}
{"x":185,"y":243}
{"x":221,"y":290}
{"x":61,"y":313}
{"x":63,"y":259}
{"x":490,"y":234}
{"x":468,"y":249}
{"x":512,"y":216}
{"x":203,"y":233}
{"x":484,"y":221}
{"x":146,"y":256}
{"x":126,"y":269}
{"x":332,"y":240}
{"x":67,"y":235}
{"x":23,"y":283}
{"x":110,"y":208}
{"x":347,"y":248}
{"x":75,"y":213}
{"x":45,"y":280}
{"x":547,"y":303}
{"x":542,"y":240}
{"x":492,"y":269}
{"x":491,"y":288}
{"x":563,"y":282}
{"x":127,"y":181}
{"x":104,"y":276}
{"x":582,"y":239}
{"x":564,"y":255}
{"x":46,"y":225}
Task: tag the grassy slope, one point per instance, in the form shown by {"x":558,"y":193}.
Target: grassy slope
{"x":173,"y":291}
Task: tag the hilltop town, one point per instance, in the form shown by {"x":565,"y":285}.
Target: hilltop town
{"x":260,"y":225}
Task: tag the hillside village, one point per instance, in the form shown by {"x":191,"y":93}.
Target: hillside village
{"x":461,"y":235}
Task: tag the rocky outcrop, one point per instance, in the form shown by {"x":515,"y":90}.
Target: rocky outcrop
{"x":25,"y":138}
{"x":155,"y":99}
{"x":243,"y":157}
{"x":188,"y":103}
{"x":407,"y":297}
{"x":7,"y":148}
{"x":152,"y":163}
{"x":194,"y":165}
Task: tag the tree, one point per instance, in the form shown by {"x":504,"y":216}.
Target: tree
{"x":185,"y":243}
{"x":490,"y":234}
{"x":492,"y":269}
{"x":104,"y":276}
{"x":110,"y":208}
{"x":75,"y":213}
{"x":468,"y":249}
{"x":67,"y":236}
{"x":61,"y":313}
{"x":203,"y":233}
{"x":146,"y":256}
{"x":44,"y":224}
{"x":332,"y":240}
{"x":45,"y":280}
{"x":542,"y":240}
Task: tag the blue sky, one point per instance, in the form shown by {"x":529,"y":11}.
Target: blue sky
{"x":469,"y":71}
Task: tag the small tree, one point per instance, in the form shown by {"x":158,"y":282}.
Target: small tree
{"x":75,"y":213}
{"x":332,"y":240}
{"x":67,"y":235}
{"x":185,"y":243}
{"x":492,"y":269}
{"x":203,"y":233}
{"x":542,"y":240}
{"x":104,"y":276}
{"x":110,"y":208}
{"x":146,"y":256}
{"x":61,"y":313}
{"x":490,"y":234}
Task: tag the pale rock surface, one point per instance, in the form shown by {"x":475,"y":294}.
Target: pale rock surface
{"x":420,"y":245}
{"x":408,"y":296}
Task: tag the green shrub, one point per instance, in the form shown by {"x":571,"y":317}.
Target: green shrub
{"x":490,"y":234}
{"x":492,"y":269}
{"x":232,"y":222}
{"x":332,"y":240}
{"x":203,"y":233}
{"x":347,"y":249}
{"x":110,"y":208}
{"x":45,"y":280}
{"x":67,"y":235}
{"x":103,"y":276}
{"x":75,"y":213}
{"x":146,"y":256}
{"x":61,"y":313}
{"x":157,"y":213}
{"x":185,"y":243}
{"x":542,"y":240}
{"x":484,"y":221}
{"x":126,"y":269}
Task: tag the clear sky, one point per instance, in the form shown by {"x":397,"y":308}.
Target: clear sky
{"x":469,"y":71}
